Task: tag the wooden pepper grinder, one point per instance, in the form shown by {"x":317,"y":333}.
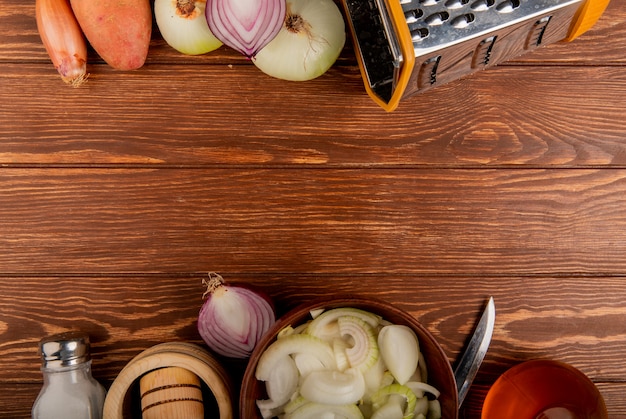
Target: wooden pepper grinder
{"x":171,"y":393}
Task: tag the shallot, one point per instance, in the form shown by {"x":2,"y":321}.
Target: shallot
{"x":63,"y":39}
{"x":233,"y":318}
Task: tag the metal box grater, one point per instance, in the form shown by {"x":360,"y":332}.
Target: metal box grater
{"x":407,"y":46}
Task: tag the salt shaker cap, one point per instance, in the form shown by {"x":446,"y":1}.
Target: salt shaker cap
{"x":64,"y":349}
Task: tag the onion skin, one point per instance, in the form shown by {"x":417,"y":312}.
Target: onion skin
{"x":63,"y":39}
{"x":245,"y":25}
{"x":234,"y":318}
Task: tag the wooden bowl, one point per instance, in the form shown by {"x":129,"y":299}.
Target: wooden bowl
{"x":188,"y":356}
{"x":440,"y":371}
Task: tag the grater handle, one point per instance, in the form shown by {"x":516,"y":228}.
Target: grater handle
{"x":406,"y":49}
{"x":587,"y":16}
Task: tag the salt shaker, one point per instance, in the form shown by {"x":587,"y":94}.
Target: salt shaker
{"x":69,"y":390}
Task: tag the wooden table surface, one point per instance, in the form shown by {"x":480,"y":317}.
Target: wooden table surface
{"x":117,"y":197}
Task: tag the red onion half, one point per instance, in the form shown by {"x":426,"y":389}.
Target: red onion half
{"x":233,"y":318}
{"x":245,"y":25}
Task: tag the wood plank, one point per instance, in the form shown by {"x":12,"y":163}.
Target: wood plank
{"x":20,"y":402}
{"x":477,"y":222}
{"x":503,"y":116}
{"x":579,"y":320}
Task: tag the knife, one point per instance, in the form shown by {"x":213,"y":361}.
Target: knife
{"x":473,"y":356}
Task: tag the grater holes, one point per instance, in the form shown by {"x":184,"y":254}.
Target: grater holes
{"x":438,"y":18}
{"x":429,"y":2}
{"x":463,"y":21}
{"x":456,"y":4}
{"x":482,"y":5}
{"x":507,"y":6}
{"x":418,"y":34}
{"x":413,"y":16}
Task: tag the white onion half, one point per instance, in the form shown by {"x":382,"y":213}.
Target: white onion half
{"x":308,"y":44}
{"x":184,"y":27}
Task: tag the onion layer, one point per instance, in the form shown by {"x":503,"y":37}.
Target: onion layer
{"x":63,"y":39}
{"x":233,"y":318}
{"x":333,"y":387}
{"x":311,"y":410}
{"x":245,"y":25}
{"x":399,"y":348}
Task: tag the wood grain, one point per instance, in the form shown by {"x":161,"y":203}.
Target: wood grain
{"x":435,"y":221}
{"x":116,"y":198}
{"x":475,"y":120}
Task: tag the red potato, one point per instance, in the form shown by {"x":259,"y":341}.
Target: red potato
{"x":119,"y":30}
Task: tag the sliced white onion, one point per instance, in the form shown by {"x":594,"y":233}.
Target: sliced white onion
{"x":415,"y":388}
{"x":320,"y":411}
{"x":421,"y":406}
{"x":333,"y":387}
{"x":399,"y":348}
{"x":296,"y":402}
{"x":389,"y":411}
{"x":306,"y":363}
{"x":339,"y":348}
{"x":374,"y":377}
{"x":283,"y":381}
{"x":184,"y":27}
{"x":308,"y":44}
{"x":269,"y":408}
{"x":364,"y":351}
{"x":292,"y":344}
{"x":245,"y":25}
{"x":423,"y":387}
{"x":316,"y":312}
{"x":395,"y":393}
{"x":325,"y":325}
{"x":434,"y":409}
{"x":329,"y":381}
{"x":422,"y":368}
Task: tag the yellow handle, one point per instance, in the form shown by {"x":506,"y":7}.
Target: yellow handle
{"x":587,"y":16}
{"x":408,"y":58}
{"x":406,"y":49}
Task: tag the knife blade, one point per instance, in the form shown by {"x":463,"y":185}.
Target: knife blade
{"x":470,"y":361}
